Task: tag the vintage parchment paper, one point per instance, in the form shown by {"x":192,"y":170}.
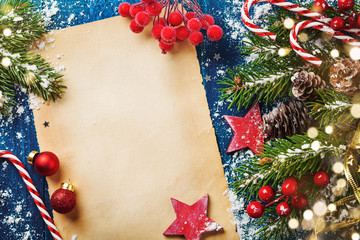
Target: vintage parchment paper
{"x":132,"y":131}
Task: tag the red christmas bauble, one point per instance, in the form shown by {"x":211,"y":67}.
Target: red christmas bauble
{"x":166,"y":47}
{"x":182,"y":33}
{"x":266,"y":194}
{"x":124,"y":9}
{"x":299,"y":201}
{"x":134,"y":27}
{"x":135,"y":8}
{"x":45,"y":163}
{"x":156,"y":31}
{"x":283,"y":209}
{"x":346,"y":5}
{"x":337,"y":23}
{"x":207,"y":22}
{"x":321,"y":179}
{"x":196,"y":38}
{"x":142,"y":19}
{"x":175,"y":18}
{"x":168,"y":34}
{"x":63,"y":200}
{"x":214,"y":33}
{"x":154,"y":8}
{"x":255,"y":209}
{"x":320,"y":6}
{"x":290,"y":186}
{"x":194,"y":24}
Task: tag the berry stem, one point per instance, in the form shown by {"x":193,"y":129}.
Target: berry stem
{"x":275,"y":201}
{"x":339,"y":11}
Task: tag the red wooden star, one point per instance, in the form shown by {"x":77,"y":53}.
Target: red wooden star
{"x":191,"y":221}
{"x":248,"y":132}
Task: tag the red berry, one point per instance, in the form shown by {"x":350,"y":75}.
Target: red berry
{"x":142,"y":18}
{"x":320,"y":6}
{"x":346,"y":5}
{"x":175,"y":18}
{"x":182,"y":33}
{"x":353,"y":20}
{"x":283,"y":209}
{"x":214,"y":33}
{"x":168,"y":34}
{"x":207,"y":22}
{"x":290,"y":186}
{"x":161,"y":21}
{"x":165,"y":47}
{"x":146,"y":1}
{"x":194,"y":24}
{"x":196,"y":38}
{"x":156,"y":31}
{"x":135,"y":27}
{"x":255,"y":209}
{"x":124,"y":9}
{"x":154,"y":8}
{"x":189,"y":15}
{"x":337,"y":23}
{"x":321,"y":179}
{"x":266,"y":194}
{"x":135,"y":8}
{"x":299,"y":201}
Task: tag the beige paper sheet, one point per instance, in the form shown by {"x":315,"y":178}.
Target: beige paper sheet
{"x":132,"y":131}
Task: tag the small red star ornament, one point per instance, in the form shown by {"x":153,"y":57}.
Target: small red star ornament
{"x":191,"y":221}
{"x":248,"y":132}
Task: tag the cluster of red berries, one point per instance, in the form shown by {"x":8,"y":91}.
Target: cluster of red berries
{"x":289,"y":189}
{"x":170,"y":29}
{"x":339,"y":23}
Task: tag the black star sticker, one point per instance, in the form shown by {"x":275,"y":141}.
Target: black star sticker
{"x":46,"y":124}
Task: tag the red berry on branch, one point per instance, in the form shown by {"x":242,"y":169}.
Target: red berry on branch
{"x":175,"y":18}
{"x":134,"y":27}
{"x":207,"y":22}
{"x":255,"y":209}
{"x":353,"y":20}
{"x":182,"y":33}
{"x":196,"y":38}
{"x":189,"y":15}
{"x":146,"y":1}
{"x":299,"y":201}
{"x":160,"y":21}
{"x":142,"y":18}
{"x":154,"y":8}
{"x":168,"y":34}
{"x":337,"y":23}
{"x":156,"y":31}
{"x":124,"y":9}
{"x":214,"y":33}
{"x":135,"y":8}
{"x":266,"y":194}
{"x":320,"y":6}
{"x":165,"y":47}
{"x":283,"y":209}
{"x":321,"y":179}
{"x":346,"y":5}
{"x":290,"y":186}
{"x":194,"y":25}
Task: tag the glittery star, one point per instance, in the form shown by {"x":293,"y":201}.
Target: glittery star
{"x":248,"y":132}
{"x":350,"y":162}
{"x":46,"y":124}
{"x":217,"y":56}
{"x":207,"y":78}
{"x":192,"y":221}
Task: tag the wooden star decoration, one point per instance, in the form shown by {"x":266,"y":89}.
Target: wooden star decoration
{"x":248,"y":132}
{"x":191,"y":221}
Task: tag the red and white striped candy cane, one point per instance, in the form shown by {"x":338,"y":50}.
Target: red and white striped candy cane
{"x":289,"y":6}
{"x":322,"y":27}
{"x":34,"y":193}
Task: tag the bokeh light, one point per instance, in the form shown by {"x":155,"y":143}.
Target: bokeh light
{"x":312,"y":132}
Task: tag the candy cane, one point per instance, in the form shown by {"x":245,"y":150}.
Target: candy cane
{"x":34,"y":193}
{"x":289,"y":6}
{"x":322,"y":27}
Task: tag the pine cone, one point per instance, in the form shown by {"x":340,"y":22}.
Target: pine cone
{"x":345,"y":76}
{"x":304,"y":85}
{"x":286,"y":120}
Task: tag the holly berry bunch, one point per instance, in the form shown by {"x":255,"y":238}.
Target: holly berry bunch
{"x":289,"y":189}
{"x":351,"y":20}
{"x":170,"y":22}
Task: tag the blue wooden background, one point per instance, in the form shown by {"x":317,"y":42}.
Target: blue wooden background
{"x":19,"y":217}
